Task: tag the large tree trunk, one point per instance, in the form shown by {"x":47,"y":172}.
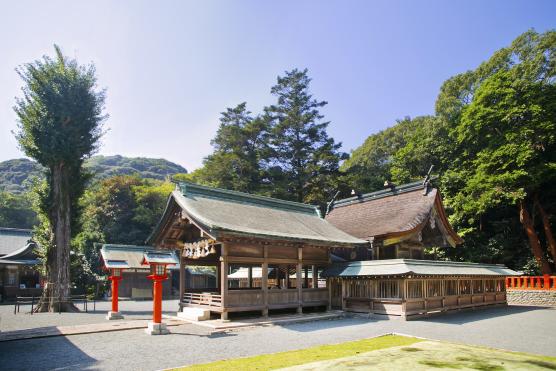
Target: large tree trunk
{"x":527,"y":222}
{"x":56,"y":294}
{"x":547,"y":229}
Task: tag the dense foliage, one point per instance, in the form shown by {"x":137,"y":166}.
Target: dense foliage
{"x":16,"y":211}
{"x":16,"y":174}
{"x":120,"y":210}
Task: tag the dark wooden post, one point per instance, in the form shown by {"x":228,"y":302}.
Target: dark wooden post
{"x":224,"y":281}
{"x":264,"y":280}
{"x":299,"y":284}
{"x":182,"y":280}
{"x":315,"y":277}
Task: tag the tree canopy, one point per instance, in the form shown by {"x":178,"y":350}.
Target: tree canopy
{"x":60,"y":123}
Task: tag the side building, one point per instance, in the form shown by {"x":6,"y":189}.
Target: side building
{"x":17,"y":262}
{"x":404,"y":225}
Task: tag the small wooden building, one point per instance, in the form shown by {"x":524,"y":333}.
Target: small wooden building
{"x":412,"y":288}
{"x":264,"y":251}
{"x":134,"y":283}
{"x":17,"y":262}
{"x":400,"y":223}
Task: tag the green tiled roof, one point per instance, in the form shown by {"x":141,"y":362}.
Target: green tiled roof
{"x":12,"y":239}
{"x":221,"y":212}
{"x":406,"y":267}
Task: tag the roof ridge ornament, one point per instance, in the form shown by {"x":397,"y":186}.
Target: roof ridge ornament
{"x":427,"y":181}
{"x":330,"y":204}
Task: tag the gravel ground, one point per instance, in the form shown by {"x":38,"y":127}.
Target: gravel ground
{"x":528,"y":329}
{"x":130,"y":309}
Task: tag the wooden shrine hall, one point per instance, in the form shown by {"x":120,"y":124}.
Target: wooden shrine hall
{"x":266,"y":253}
{"x":401,"y":223}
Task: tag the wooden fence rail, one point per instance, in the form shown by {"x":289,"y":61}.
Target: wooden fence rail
{"x":545,"y":282}
{"x":33,"y":300}
{"x":203,"y":299}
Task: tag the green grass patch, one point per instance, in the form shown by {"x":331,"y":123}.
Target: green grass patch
{"x":299,"y":357}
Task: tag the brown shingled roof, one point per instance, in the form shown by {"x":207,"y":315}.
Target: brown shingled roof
{"x":390,"y":212}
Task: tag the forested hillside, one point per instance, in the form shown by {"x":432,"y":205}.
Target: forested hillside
{"x":14,"y":174}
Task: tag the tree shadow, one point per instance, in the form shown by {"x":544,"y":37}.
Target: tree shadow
{"x":44,"y":354}
{"x":479,"y":314}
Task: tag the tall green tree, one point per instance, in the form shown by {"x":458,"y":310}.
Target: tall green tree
{"x":303,"y":161}
{"x":503,"y":121}
{"x":371,"y":164}
{"x":238,"y":146}
{"x":60,"y":123}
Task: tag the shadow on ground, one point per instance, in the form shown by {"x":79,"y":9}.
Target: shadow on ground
{"x":44,"y":354}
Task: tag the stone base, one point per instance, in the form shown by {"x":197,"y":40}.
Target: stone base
{"x":114,"y":315}
{"x":156,"y":329}
{"x":194,"y":314}
{"x":545,"y":298}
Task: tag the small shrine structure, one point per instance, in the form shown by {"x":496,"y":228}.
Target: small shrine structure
{"x":266,"y":253}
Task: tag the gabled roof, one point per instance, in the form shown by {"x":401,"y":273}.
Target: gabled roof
{"x":223,"y":213}
{"x":131,"y":256}
{"x":406,"y":267}
{"x":391,"y":212}
{"x":13,"y":239}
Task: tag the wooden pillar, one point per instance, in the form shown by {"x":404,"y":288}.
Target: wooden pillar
{"x":329,"y":287}
{"x":314,"y":274}
{"x":343,"y":296}
{"x":299,"y":284}
{"x":264,"y":281}
{"x":224,"y":281}
{"x":425,"y":294}
{"x":250,"y":277}
{"x":182,"y":280}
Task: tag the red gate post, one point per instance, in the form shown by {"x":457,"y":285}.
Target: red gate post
{"x":158,"y":262}
{"x":546,"y":283}
{"x":532,"y":283}
{"x":115,"y":278}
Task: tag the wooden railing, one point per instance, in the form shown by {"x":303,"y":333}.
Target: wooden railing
{"x":204,"y":298}
{"x":33,"y":300}
{"x":545,"y":282}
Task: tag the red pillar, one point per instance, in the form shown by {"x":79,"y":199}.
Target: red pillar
{"x":157,"y":299}
{"x":115,"y":280}
{"x":532,"y":282}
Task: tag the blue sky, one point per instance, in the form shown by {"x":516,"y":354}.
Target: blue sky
{"x":170,"y":67}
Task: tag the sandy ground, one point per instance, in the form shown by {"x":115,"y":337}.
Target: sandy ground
{"x":526,"y":329}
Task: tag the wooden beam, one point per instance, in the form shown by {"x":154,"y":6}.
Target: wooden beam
{"x":243,"y":259}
